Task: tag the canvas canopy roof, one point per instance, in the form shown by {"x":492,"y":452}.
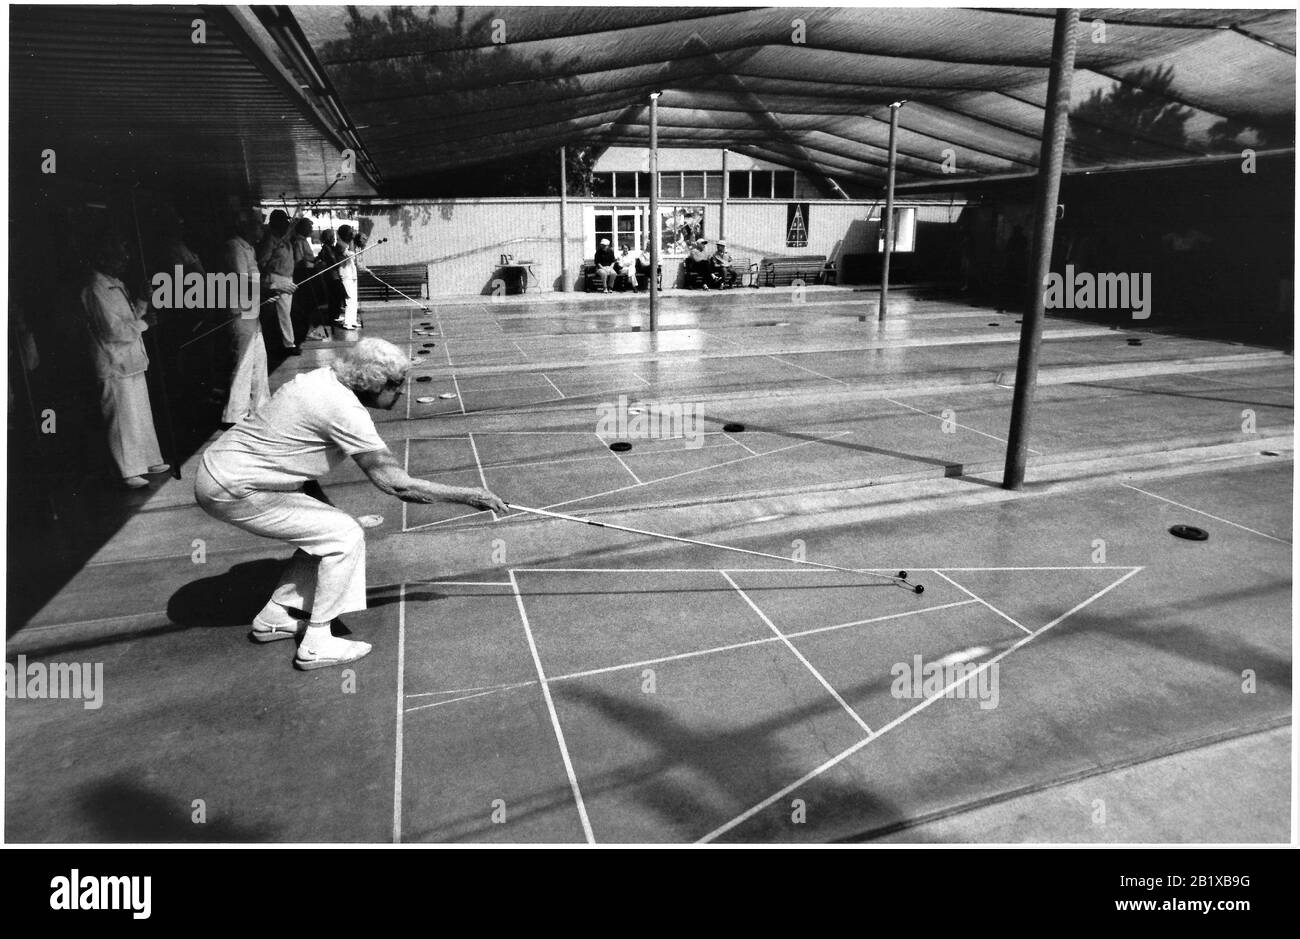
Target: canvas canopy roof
{"x":276,"y":92}
{"x":448,"y":86}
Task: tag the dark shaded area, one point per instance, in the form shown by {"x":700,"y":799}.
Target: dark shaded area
{"x":123,"y":810}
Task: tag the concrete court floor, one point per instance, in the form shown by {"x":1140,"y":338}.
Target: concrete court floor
{"x":699,"y":693}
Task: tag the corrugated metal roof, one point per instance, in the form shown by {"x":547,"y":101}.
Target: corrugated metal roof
{"x":123,"y":93}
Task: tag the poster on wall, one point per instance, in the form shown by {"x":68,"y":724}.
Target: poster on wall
{"x":796,"y":225}
{"x":680,"y":226}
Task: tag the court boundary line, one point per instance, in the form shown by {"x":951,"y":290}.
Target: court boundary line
{"x":830,"y":689}
{"x":980,"y":599}
{"x":846,"y":753}
{"x":401,"y":714}
{"x":1208,"y":515}
{"x":555,"y":719}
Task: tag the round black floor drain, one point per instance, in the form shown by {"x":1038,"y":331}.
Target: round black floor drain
{"x":993,"y":324}
{"x":425,"y":378}
{"x":620,"y":446}
{"x":430,"y":345}
{"x":1190,"y":532}
{"x":1269,"y":453}
{"x":421,"y":351}
{"x":733,"y":428}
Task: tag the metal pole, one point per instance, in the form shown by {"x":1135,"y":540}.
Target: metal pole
{"x":722,"y":215}
{"x":654,"y":210}
{"x":887,"y":220}
{"x":564,"y":212}
{"x":1051,"y":154}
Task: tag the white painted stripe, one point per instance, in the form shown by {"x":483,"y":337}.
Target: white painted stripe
{"x":555,"y":719}
{"x":955,"y":424}
{"x":521,"y":351}
{"x":401,"y":688}
{"x":425,"y":707}
{"x":838,"y":381}
{"x":460,"y":400}
{"x":857,"y":719}
{"x":738,"y":443}
{"x":1206,"y":514}
{"x":845,"y":754}
{"x":556,"y":387}
{"x":980,"y":599}
{"x":620,"y":461}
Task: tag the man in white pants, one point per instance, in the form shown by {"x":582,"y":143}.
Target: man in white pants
{"x":253,"y":478}
{"x":116,"y":326}
{"x":249,"y":388}
{"x":348,"y":277}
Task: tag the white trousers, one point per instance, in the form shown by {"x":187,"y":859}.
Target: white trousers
{"x":249,"y":387}
{"x":327,"y":574}
{"x":284,"y":308}
{"x":349,"y":300}
{"x":131,"y":436}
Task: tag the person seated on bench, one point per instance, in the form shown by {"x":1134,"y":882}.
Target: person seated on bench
{"x":627,"y":264}
{"x":697,"y":262}
{"x":605,"y":266}
{"x":720,"y":267}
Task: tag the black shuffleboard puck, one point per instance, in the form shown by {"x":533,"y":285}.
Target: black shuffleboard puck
{"x":733,"y":428}
{"x":1190,"y":532}
{"x":620,"y":446}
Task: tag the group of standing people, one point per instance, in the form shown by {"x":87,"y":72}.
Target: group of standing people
{"x":270,"y":261}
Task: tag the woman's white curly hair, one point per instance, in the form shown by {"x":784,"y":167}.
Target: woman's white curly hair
{"x":371,"y":365}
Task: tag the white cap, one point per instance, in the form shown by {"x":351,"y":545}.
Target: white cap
{"x":604,"y":241}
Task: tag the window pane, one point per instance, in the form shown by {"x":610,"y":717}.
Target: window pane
{"x":739,"y":183}
{"x":692,"y":185}
{"x":762,"y":184}
{"x":713,"y":185}
{"x":784,"y":183}
{"x":602,"y":184}
{"x":670,"y":185}
{"x":643,"y":185}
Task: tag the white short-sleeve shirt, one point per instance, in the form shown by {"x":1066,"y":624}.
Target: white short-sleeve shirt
{"x":310,"y":425}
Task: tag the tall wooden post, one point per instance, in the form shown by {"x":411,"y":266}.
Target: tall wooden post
{"x":722,"y":214}
{"x":1051,"y":155}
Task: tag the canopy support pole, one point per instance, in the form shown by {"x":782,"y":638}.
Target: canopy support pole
{"x":564,"y":213}
{"x":887,"y":220}
{"x":722,"y":214}
{"x":654,"y":210}
{"x":1051,"y":155}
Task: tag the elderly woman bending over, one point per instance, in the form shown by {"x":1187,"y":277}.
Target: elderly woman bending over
{"x":253,"y":477}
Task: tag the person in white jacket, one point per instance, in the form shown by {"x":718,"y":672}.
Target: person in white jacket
{"x":116,"y":325}
{"x":348,"y":277}
{"x":249,"y":386}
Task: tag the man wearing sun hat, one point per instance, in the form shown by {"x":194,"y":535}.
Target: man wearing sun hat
{"x":605,"y":266}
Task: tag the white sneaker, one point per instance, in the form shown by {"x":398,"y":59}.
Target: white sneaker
{"x":135,"y":482}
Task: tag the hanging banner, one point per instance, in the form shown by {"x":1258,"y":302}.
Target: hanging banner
{"x":796,"y":225}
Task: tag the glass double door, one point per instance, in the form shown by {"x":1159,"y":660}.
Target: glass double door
{"x":624,"y":227}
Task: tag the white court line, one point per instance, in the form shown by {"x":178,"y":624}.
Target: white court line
{"x":521,"y":351}
{"x":698,"y":469}
{"x":425,"y":707}
{"x":845,"y":754}
{"x":557,"y":390}
{"x":477,"y":462}
{"x":620,"y":461}
{"x":639,"y":378}
{"x":459,"y":399}
{"x":681,"y":656}
{"x":1206,"y":514}
{"x":799,"y":655}
{"x":401,"y":701}
{"x":955,"y":423}
{"x":555,"y":720}
{"x":806,"y":570}
{"x":979,"y":599}
{"x":808,"y":370}
{"x":738,"y":443}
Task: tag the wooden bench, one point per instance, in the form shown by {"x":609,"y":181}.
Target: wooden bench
{"x":783,"y":271}
{"x":408,"y":278}
{"x":591,"y":280}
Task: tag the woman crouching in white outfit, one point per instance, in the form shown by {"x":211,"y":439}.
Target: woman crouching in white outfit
{"x":253,"y":478}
